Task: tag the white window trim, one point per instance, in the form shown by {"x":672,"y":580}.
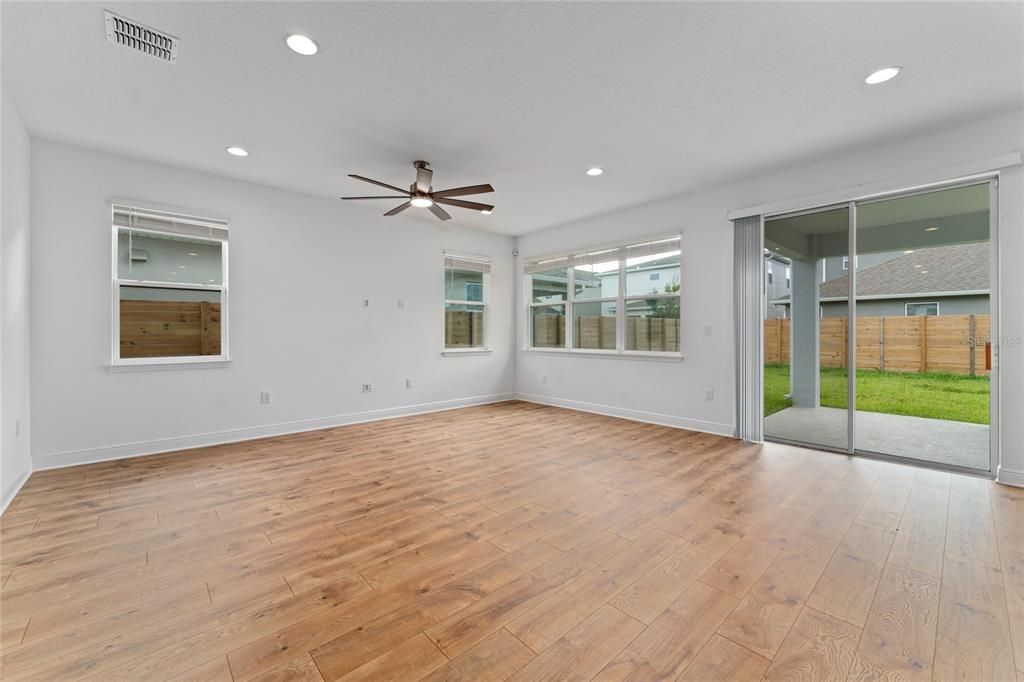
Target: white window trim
{"x":906,"y":308}
{"x":485,"y":349}
{"x":620,"y":309}
{"x":168,"y":362}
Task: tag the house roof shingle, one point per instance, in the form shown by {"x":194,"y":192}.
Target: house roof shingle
{"x":954,"y":268}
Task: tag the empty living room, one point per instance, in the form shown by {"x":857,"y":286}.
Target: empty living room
{"x":481,"y":341}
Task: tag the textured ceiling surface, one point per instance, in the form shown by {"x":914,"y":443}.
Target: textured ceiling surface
{"x":667,"y":97}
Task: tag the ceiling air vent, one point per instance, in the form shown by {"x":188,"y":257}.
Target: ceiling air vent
{"x":136,"y":36}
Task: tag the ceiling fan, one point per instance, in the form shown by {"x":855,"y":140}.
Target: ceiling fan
{"x":421,"y":194}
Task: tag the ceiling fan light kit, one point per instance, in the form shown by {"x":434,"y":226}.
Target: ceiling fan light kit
{"x":421,"y":194}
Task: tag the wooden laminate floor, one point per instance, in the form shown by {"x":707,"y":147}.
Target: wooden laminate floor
{"x":510,"y":541}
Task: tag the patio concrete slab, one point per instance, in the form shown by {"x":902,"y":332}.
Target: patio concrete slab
{"x":931,"y":440}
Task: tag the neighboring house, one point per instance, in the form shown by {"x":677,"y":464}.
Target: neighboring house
{"x":838,"y":266}
{"x":943,"y":280}
{"x":656,"y":276}
{"x":777,"y":282}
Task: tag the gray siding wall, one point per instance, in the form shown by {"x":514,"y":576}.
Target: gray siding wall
{"x":948,"y":305}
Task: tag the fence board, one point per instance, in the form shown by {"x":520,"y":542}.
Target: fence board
{"x":169,"y":328}
{"x":941,"y":343}
{"x":463,"y":328}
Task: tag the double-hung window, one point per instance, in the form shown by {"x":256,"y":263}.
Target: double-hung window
{"x":623,"y":300}
{"x":466,"y":280}
{"x":170,"y":284}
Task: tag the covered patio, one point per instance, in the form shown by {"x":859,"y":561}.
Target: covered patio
{"x":934,"y":440}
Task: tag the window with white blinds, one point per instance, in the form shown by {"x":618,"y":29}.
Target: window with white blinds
{"x":466,"y":280}
{"x":170,"y":274}
{"x":624,"y":299}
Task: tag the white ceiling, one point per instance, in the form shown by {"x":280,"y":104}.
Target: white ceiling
{"x":665,"y":96}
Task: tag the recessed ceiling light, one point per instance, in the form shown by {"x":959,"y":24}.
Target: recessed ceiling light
{"x":211,"y":280}
{"x":421,"y":202}
{"x":595,"y":171}
{"x":909,"y":251}
{"x":883,"y":75}
{"x":181,"y":267}
{"x":192,"y":253}
{"x":301,"y":44}
{"x":931,"y":229}
{"x":918,"y":265}
{"x":924,"y":272}
{"x":486,"y":212}
{"x":236,"y":151}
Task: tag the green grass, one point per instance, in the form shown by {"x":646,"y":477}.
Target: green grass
{"x":938,"y":396}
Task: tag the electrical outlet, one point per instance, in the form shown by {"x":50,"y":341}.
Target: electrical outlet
{"x":366,"y":303}
{"x":367,"y":388}
{"x":264,"y":397}
{"x":408,"y":383}
{"x":707,"y":330}
{"x":709,"y":394}
{"x":401,"y":304}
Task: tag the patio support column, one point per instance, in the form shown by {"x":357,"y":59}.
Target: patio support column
{"x":804,"y":358}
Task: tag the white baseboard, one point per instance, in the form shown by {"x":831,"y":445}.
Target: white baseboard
{"x":635,"y":415}
{"x":12,"y":491}
{"x":59,"y":460}
{"x":1010,"y":477}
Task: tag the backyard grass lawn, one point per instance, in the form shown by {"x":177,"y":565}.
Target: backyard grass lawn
{"x":938,"y":396}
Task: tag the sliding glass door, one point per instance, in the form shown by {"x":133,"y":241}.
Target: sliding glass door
{"x":923,"y":312}
{"x":805,"y":372}
{"x":878,"y":315}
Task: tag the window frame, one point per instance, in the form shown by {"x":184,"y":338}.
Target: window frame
{"x":116,"y":361}
{"x":621,"y":301}
{"x":907,"y":304}
{"x":484,"y":303}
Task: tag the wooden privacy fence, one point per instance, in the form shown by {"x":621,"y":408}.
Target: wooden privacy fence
{"x":169,"y":328}
{"x":598,"y":332}
{"x":953,"y":344}
{"x":463,"y":328}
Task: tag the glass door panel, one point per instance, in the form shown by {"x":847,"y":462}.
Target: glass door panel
{"x":806,"y":328}
{"x":923,"y":315}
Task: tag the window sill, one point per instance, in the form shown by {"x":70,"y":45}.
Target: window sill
{"x":455,"y":352}
{"x":610,"y":354}
{"x":151,"y":364}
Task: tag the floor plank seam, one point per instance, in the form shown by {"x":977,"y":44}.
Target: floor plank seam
{"x":974,"y":559}
{"x":719,"y":634}
{"x":867,"y":619}
{"x":231,"y":672}
{"x":439,"y":649}
{"x":803,"y":604}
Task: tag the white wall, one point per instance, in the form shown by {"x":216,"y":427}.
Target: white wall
{"x":674,"y":393}
{"x":300,"y":267}
{"x":15,"y":462}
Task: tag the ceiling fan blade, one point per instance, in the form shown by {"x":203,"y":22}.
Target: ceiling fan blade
{"x":391,"y":197}
{"x":439,"y":212}
{"x":380,"y":184}
{"x":461,"y":191}
{"x":464,"y":204}
{"x":398,"y":209}
{"x":424,"y":176}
